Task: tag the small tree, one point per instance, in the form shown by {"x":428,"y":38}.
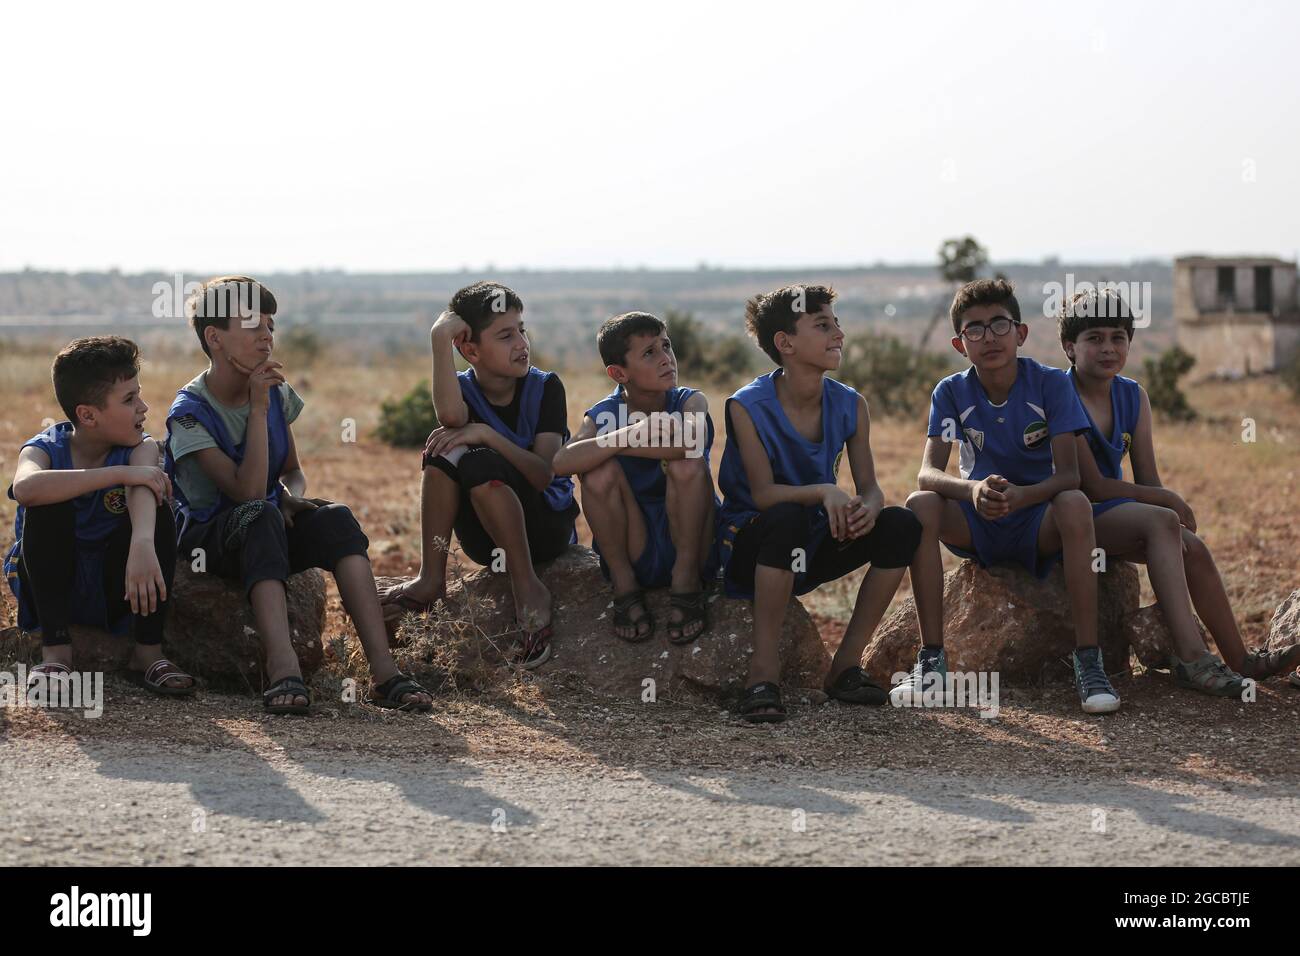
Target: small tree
{"x":1162,"y":376}
{"x":704,"y":356}
{"x":892,"y":376}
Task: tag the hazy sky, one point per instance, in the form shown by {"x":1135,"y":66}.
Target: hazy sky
{"x":375,"y":136}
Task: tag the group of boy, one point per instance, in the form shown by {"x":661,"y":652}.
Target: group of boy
{"x":105,"y":511}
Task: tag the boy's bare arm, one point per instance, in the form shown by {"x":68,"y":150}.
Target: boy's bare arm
{"x":934,"y":476}
{"x":862,"y":464}
{"x":141,"y":504}
{"x":448,"y":403}
{"x":585,"y":451}
{"x":1146,"y":486}
{"x":291,"y":475}
{"x":36,"y":483}
{"x":758,"y":469}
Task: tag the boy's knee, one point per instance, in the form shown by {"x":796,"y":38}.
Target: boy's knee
{"x":686,"y":469}
{"x":901,"y":530}
{"x":927,"y":506}
{"x":1197,"y":549}
{"x":479,"y":466}
{"x":1165,"y":521}
{"x":602,"y":479}
{"x":1072,"y":512}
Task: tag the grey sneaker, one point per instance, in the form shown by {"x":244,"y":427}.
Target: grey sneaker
{"x":1095,"y":693}
{"x":1209,"y":675}
{"x":910,"y":692}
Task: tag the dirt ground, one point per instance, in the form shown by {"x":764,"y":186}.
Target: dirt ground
{"x":567,"y":776}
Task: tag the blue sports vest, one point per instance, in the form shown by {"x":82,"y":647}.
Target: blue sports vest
{"x":99,"y":514}
{"x":559,"y":493}
{"x":795,"y":460}
{"x":277,"y":450}
{"x":647,"y":476}
{"x":1125,"y":404}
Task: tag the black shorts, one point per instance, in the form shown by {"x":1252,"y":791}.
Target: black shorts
{"x":771,"y":538}
{"x":550,"y":532}
{"x":250,"y":542}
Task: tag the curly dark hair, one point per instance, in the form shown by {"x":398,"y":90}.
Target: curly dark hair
{"x":773,"y":312}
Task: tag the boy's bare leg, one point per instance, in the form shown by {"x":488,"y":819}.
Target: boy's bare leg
{"x":502,"y":517}
{"x":618,"y":526}
{"x":1215,"y":611}
{"x":356,"y":583}
{"x":927,"y":567}
{"x":772,"y":590}
{"x":874,"y":594}
{"x":271,"y":615}
{"x":1155,"y":530}
{"x":689,"y":503}
{"x":1067,"y":527}
{"x":439,"y":500}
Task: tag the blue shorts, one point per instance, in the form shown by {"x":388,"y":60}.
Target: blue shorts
{"x":1009,"y":540}
{"x":653,"y":567}
{"x":1099,"y":508}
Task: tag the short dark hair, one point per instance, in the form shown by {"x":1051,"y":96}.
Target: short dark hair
{"x":983,"y":292}
{"x":1093,"y":309}
{"x":613,"y":337}
{"x":773,"y":312}
{"x":217,"y":300}
{"x":86,"y":369}
{"x":480,"y":303}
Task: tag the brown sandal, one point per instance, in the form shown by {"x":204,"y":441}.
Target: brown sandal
{"x":157,"y":674}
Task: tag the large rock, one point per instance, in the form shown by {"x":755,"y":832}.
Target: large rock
{"x":1006,"y":620}
{"x":1148,"y":636}
{"x":209,"y":632}
{"x":1284,"y":630}
{"x":478,"y":620}
{"x":210,"y":629}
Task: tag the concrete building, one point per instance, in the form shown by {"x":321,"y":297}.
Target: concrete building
{"x":1236,"y":315}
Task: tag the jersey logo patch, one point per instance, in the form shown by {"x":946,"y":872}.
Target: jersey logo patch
{"x":187,"y":421}
{"x":975,"y":437}
{"x":1128,"y":440}
{"x":115,"y":501}
{"x":1035,"y":434}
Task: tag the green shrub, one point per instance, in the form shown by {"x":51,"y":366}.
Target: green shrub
{"x":1162,"y":375}
{"x":701,"y":356}
{"x":894,"y":377}
{"x":406,"y":422}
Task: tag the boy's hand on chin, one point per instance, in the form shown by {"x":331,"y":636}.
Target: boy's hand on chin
{"x":261,"y":380}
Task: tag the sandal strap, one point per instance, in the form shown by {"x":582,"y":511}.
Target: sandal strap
{"x":151,"y":673}
{"x":287,"y":687}
{"x":764,"y":694}
{"x":397,"y":685}
{"x":689,"y":600}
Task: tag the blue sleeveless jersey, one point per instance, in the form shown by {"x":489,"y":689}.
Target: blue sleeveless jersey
{"x":99,"y":514}
{"x":795,"y":460}
{"x":1109,"y":450}
{"x":559,"y":493}
{"x":277,"y":451}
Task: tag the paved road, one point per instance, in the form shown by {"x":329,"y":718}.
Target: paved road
{"x":137,"y":803}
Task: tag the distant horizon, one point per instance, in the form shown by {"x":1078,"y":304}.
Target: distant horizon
{"x":993,"y":265}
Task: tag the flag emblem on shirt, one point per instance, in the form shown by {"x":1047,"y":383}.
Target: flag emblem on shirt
{"x":115,"y":501}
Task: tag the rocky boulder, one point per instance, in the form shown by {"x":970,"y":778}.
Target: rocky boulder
{"x":1006,"y":620}
{"x":1148,"y":636}
{"x":477,"y":620}
{"x":1284,"y":629}
{"x":209,"y":632}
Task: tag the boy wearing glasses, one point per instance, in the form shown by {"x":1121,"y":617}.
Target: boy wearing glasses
{"x":1018,"y":497}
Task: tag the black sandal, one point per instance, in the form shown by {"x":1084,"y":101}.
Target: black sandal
{"x":286,"y":687}
{"x":764,"y":696}
{"x":389,"y":694}
{"x":622,"y":618}
{"x":694,"y":606}
{"x":853,"y":686}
